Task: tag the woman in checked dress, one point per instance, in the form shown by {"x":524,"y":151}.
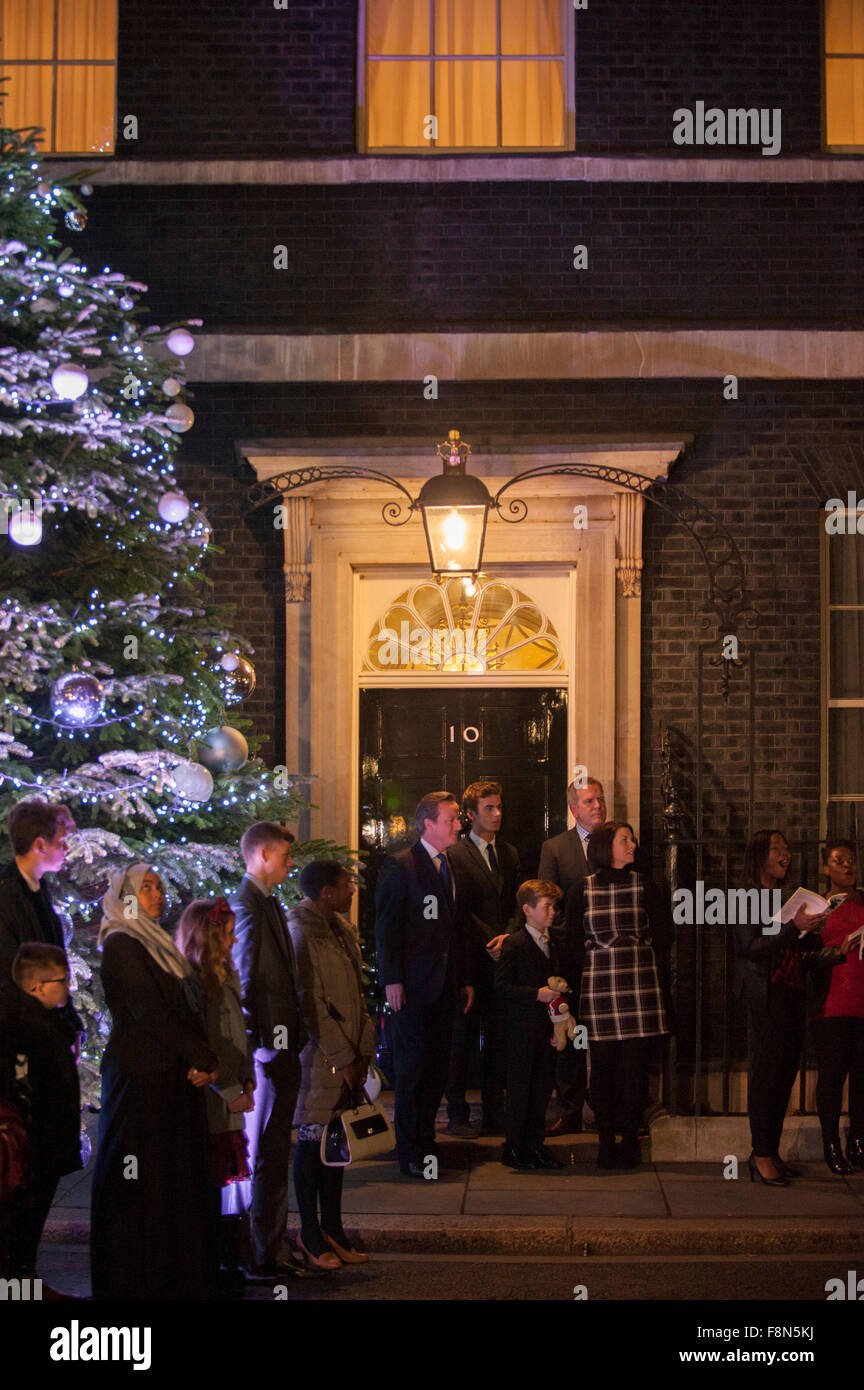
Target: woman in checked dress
{"x":616,"y":922}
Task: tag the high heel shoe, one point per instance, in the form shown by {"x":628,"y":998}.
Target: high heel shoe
{"x":327,"y":1261}
{"x":836,"y":1162}
{"x":347,"y":1254}
{"x":855,"y":1153}
{"x":769,"y":1182}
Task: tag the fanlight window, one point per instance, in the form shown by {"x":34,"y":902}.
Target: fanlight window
{"x":463,"y":628}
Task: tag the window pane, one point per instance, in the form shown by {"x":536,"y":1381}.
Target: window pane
{"x":844,"y":101}
{"x":844,"y":26}
{"x":465,"y":28}
{"x":847,"y":656}
{"x":397,"y":26}
{"x":399,"y":103}
{"x":85,"y":109}
{"x":465,"y":103}
{"x":28,"y":100}
{"x":532,"y":103}
{"x":531,"y":28}
{"x":846,"y":567}
{"x":846,"y":752}
{"x":87,"y":29}
{"x":27,"y":28}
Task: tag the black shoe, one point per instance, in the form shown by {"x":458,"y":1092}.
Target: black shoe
{"x":522,"y":1162}
{"x":855,"y":1153}
{"x":836,"y":1162}
{"x":279,"y":1273}
{"x":607,"y":1153}
{"x":769,"y":1182}
{"x":411,"y":1170}
{"x":546,"y":1158}
{"x":568,"y":1124}
{"x":629,"y":1152}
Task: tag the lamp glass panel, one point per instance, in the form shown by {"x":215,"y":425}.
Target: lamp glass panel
{"x":455,"y":537}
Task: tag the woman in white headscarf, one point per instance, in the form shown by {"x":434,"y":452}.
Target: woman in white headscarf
{"x":152,"y":1235}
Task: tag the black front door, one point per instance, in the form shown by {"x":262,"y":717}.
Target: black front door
{"x":417,"y":741}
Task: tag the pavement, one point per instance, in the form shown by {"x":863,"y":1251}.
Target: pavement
{"x":476,"y":1206}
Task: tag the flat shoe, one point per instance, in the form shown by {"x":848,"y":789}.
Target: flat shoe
{"x":327,"y":1261}
{"x":348,"y":1256}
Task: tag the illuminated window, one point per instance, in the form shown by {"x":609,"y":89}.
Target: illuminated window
{"x":460,"y":628}
{"x":844,"y":74}
{"x":443,"y":75}
{"x":60,"y":61}
{"x":843,"y":668}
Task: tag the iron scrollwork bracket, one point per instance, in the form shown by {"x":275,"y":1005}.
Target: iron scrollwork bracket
{"x":395,"y":513}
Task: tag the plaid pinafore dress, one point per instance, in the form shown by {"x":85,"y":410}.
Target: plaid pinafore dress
{"x":620,"y":989}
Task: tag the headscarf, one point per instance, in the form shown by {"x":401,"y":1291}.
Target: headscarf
{"x":156,"y":941}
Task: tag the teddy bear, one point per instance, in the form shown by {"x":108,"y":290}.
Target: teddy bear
{"x":563,"y":1023}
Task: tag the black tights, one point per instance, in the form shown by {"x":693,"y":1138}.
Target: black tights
{"x":314,"y":1182}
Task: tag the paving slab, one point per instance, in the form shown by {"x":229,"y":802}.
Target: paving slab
{"x":636,"y":1202}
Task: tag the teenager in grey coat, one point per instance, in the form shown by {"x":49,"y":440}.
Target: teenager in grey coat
{"x":336,"y":1057}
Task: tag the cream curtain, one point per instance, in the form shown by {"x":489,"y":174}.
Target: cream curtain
{"x":409,"y":77}
{"x":75,"y":104}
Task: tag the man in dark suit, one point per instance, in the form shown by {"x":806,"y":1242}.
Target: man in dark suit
{"x":423,"y":964}
{"x":264,"y":959}
{"x":38,"y":831}
{"x":488,"y":869}
{"x":564,"y":860}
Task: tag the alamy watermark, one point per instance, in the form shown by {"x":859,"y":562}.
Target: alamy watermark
{"x":736,"y":126}
{"x":723,"y":907}
{"x":421,"y":647}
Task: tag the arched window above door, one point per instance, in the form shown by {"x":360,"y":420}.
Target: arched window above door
{"x":462,"y":628}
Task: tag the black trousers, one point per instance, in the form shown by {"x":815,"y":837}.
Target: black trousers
{"x":530,"y":1077}
{"x":775,"y":1036}
{"x":24,"y":1219}
{"x":268,"y":1130}
{"x":484,"y":1025}
{"x":421,"y":1056}
{"x":619,"y":1074}
{"x":839,"y":1044}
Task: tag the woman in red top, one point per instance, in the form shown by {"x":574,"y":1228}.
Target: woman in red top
{"x":836,"y":1012}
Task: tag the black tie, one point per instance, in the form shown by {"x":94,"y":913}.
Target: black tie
{"x":493,"y":857}
{"x":444,"y":870}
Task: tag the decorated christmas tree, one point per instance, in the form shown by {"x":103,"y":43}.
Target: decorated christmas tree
{"x":118,"y":673}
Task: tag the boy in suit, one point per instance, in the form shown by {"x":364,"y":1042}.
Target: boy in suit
{"x":42,"y":1044}
{"x":528,"y":958}
{"x":423,"y":964}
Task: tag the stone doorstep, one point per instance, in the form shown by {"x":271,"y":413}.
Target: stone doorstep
{"x":711,"y":1138}
{"x":577,"y":1237}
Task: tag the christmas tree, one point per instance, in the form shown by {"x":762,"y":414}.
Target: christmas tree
{"x":117,"y":669}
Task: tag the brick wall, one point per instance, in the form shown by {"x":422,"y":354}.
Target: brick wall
{"x":224,"y":80}
{"x":392,"y":257}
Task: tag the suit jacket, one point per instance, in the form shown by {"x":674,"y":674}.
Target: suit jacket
{"x":264,"y":961}
{"x":51,"y":1087}
{"x":28,"y":916}
{"x":521,"y":971}
{"x":563,"y":861}
{"x":420,"y":932}
{"x":490,"y":898}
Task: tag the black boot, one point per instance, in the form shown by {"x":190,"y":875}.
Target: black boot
{"x":629,"y":1153}
{"x":855,"y":1153}
{"x":607,"y":1154}
{"x":835,"y":1160}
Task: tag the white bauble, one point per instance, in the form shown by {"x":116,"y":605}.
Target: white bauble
{"x":69,"y":381}
{"x":180,"y":418}
{"x":25,"y":526}
{"x":180,"y":342}
{"x":229,"y":661}
{"x":223,"y":750}
{"x":173,"y":506}
{"x":171,"y":386}
{"x":193,"y":781}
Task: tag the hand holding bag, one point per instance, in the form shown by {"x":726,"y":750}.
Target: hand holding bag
{"x":359,"y":1130}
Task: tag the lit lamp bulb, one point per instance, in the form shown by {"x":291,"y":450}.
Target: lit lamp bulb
{"x":454,"y":532}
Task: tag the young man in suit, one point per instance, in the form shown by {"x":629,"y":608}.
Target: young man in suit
{"x":528,"y":958}
{"x":264,"y":960}
{"x":424,"y":964}
{"x":489,"y":870}
{"x":38,"y":831}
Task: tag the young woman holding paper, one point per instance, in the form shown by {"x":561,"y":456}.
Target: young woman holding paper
{"x":835,"y":1007}
{"x":769,"y":972}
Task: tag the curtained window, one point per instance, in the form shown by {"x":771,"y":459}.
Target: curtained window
{"x":59,"y":59}
{"x":844,"y":74}
{"x":468,"y":75}
{"x":844,"y":674}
